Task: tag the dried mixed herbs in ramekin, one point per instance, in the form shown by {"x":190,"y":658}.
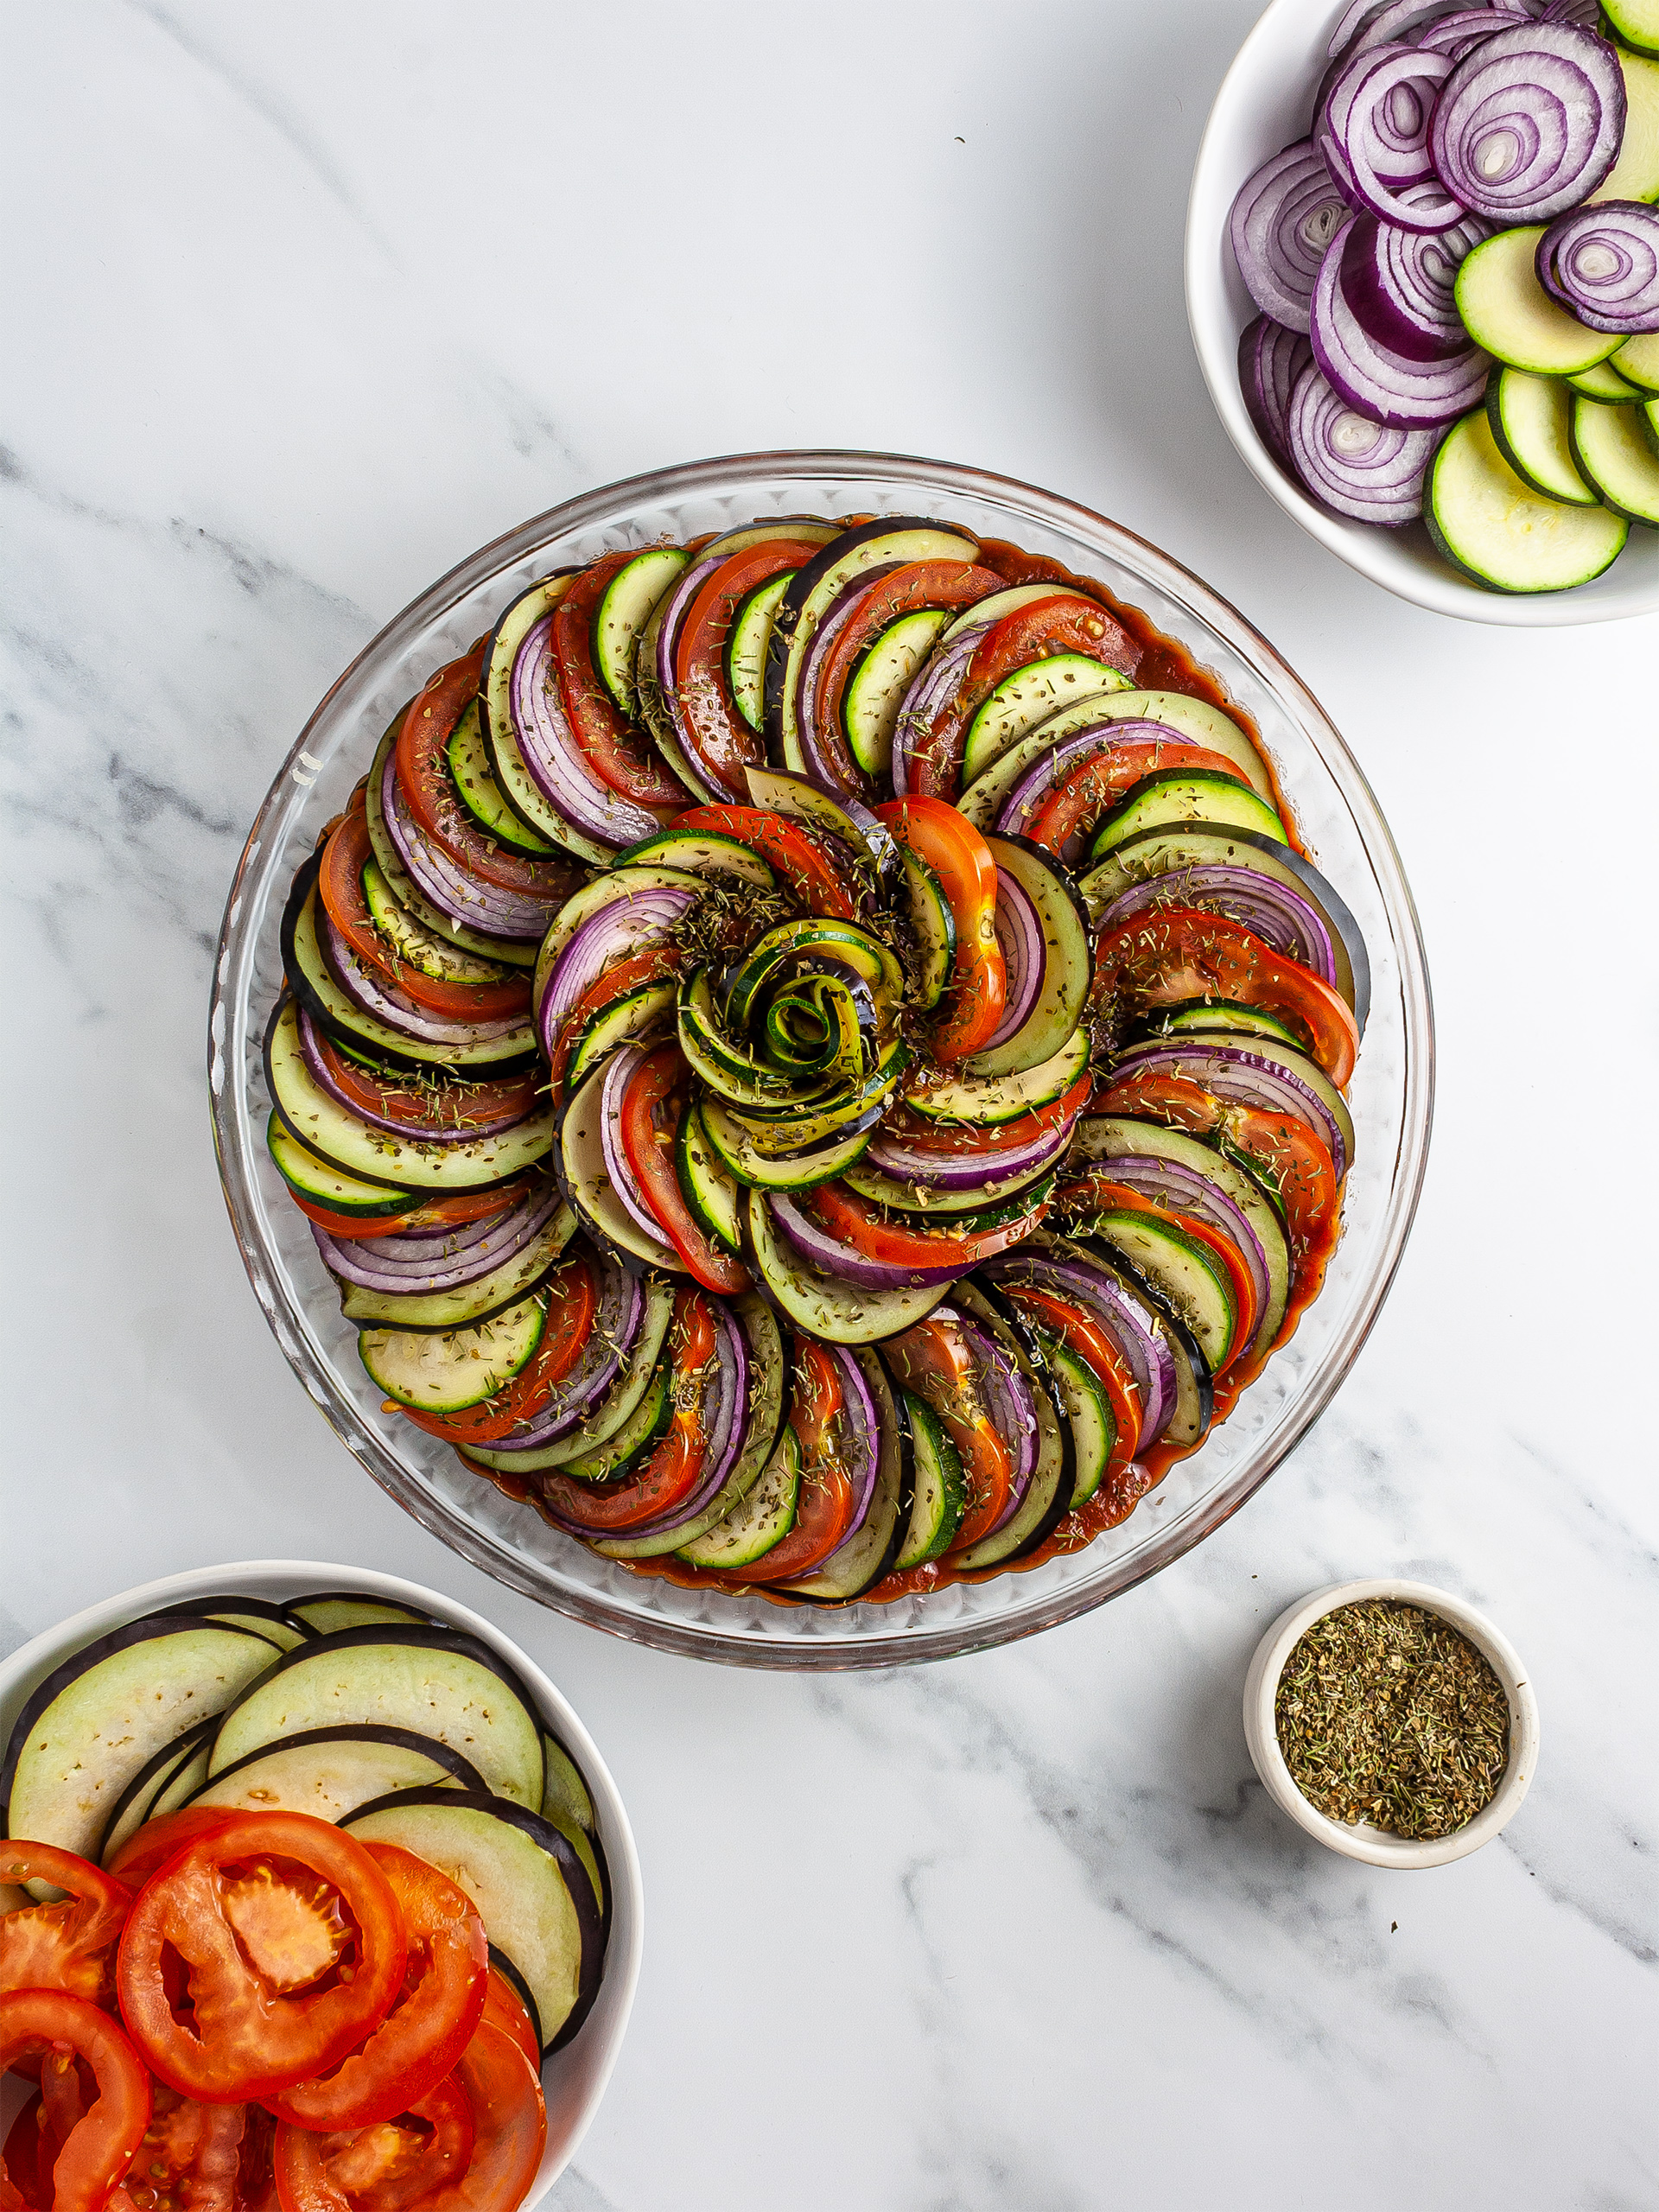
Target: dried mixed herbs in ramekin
{"x":1387,"y":1713}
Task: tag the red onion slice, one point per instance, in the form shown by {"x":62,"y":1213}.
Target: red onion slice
{"x":1010,"y":1407}
{"x":1370,"y":470}
{"x":1379,"y":383}
{"x":833,"y":1258}
{"x":427,"y":1278}
{"x":1281,"y":223}
{"x":1530,"y":122}
{"x":861,"y":1430}
{"x":1372,"y":133}
{"x":1601,"y":264}
{"x":616,"y":932}
{"x":449,"y":885}
{"x":690,"y":583}
{"x":1151,"y":1360}
{"x":1270,"y":359}
{"x":624,"y":1182}
{"x":554,"y":760}
{"x":828,"y":758}
{"x":616,"y":1324}
{"x":1398,"y":284}
{"x":725,"y":1419}
{"x":933,"y":684}
{"x":1170,"y":1183}
{"x":1234,"y":1071}
{"x":1272,"y":911}
{"x":1025,"y":954}
{"x":1456,"y":34}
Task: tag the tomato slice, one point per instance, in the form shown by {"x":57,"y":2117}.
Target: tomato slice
{"x":670,"y":1472}
{"x":340,"y":887}
{"x":1068,"y":622}
{"x":26,"y":2162}
{"x":1290,"y":1159}
{"x":948,"y":585}
{"x":1100,"y":1190}
{"x":69,"y":1945}
{"x":161,"y":1839}
{"x":428,"y":786}
{"x":810,"y":872}
{"x":653,"y":1106}
{"x":1094,"y":783}
{"x":435,"y":1213}
{"x":505,"y":2009}
{"x":723,"y":744}
{"x":572,"y":1295}
{"x":473,"y":2145}
{"x":954,"y":1139}
{"x":620,"y":755}
{"x":933,"y":1358}
{"x":647,"y":967}
{"x":197,"y":2158}
{"x":961,"y":859}
{"x":95,"y":2145}
{"x":293,"y":1948}
{"x":1176,"y":953}
{"x":870,"y":1231}
{"x":1081,"y":1333}
{"x":406,"y":2160}
{"x":436,"y":1108}
{"x":431,"y":2020}
{"x":828,"y":1500}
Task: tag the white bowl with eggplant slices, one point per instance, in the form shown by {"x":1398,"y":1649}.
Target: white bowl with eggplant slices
{"x":820,"y":1058}
{"x":1422,"y":277}
{"x":337,"y":1764}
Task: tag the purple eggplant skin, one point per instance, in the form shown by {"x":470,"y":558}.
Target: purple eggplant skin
{"x":593,"y":1918}
{"x":261,"y":1609}
{"x":997,"y":1311}
{"x":804,"y":583}
{"x":437,"y":1638}
{"x":510,"y":1974}
{"x":89,"y":1655}
{"x":365,"y":1731}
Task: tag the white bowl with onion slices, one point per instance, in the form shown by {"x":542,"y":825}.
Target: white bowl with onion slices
{"x":1263,"y":104}
{"x":574,"y":2077}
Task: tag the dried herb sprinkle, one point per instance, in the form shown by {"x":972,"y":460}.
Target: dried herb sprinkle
{"x":1386,"y":1714}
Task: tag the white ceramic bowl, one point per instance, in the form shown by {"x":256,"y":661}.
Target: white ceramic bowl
{"x":573,"y":2079}
{"x":1264,"y":103}
{"x":1364,"y":1841}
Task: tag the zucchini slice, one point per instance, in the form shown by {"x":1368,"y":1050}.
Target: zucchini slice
{"x":420,"y":948}
{"x":329,"y":1772}
{"x":1635,"y":174}
{"x":1111,"y":1136}
{"x":1067,"y":967}
{"x":1182,"y":1269}
{"x":1004,"y":1098}
{"x":645,"y":1012}
{"x":938,"y":1491}
{"x":1030,"y":696}
{"x":869,"y":710}
{"x":701,"y":853}
{"x":479,"y":792}
{"x":932,"y":930}
{"x":628,"y":1444}
{"x":453,"y":1687}
{"x":631,"y":598}
{"x":1499,"y":530}
{"x":1195,"y":720}
{"x":1094,"y":1428}
{"x":1507,"y":310}
{"x":535,"y":1896}
{"x":789,"y":1171}
{"x":96,"y":1722}
{"x":839,"y":1313}
{"x":1190,"y":795}
{"x":707,"y":1185}
{"x":767,"y":1371}
{"x":1605,"y":383}
{"x":1616,"y":449}
{"x":616,"y":1407}
{"x":760,"y":1521}
{"x":1194,"y":1391}
{"x":311,"y":1177}
{"x":336,"y":1135}
{"x":746,"y":643}
{"x":1637,"y":360}
{"x":1532,"y":418}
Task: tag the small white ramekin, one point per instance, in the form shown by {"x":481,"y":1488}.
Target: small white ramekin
{"x":1375,"y":1845}
{"x":573,"y":2079}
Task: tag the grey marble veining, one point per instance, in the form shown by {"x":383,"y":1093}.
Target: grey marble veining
{"x":302,"y":304}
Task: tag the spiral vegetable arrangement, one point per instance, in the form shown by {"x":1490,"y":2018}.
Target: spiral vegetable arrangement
{"x":1458,"y":274}
{"x":815,"y":1058}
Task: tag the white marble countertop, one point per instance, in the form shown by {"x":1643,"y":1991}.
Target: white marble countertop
{"x":304,"y":302}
